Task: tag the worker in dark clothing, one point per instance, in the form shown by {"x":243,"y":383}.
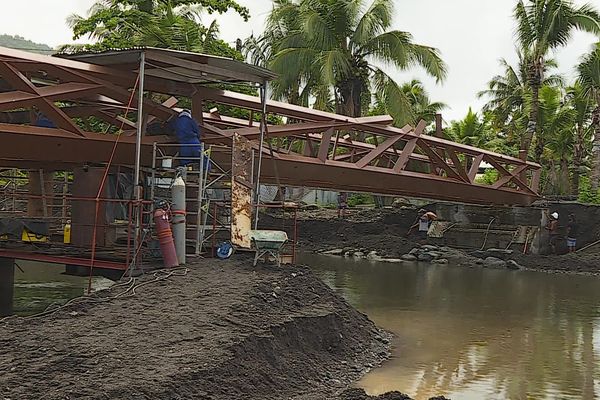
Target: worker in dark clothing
{"x":342,"y":204}
{"x":188,"y":135}
{"x":553,"y":230}
{"x":43,"y":121}
{"x":572,"y":232}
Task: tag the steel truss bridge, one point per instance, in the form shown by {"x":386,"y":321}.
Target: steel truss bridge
{"x":312,"y":149}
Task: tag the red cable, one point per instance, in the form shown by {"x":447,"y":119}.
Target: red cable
{"x":101,"y":188}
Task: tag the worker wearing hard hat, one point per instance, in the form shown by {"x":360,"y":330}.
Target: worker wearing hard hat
{"x":553,"y":232}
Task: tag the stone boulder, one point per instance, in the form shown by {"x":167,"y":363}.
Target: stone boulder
{"x":334,"y":252}
{"x":493,"y":262}
{"x":409,"y":257}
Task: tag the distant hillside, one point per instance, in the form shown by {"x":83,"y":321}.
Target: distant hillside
{"x":18,"y":42}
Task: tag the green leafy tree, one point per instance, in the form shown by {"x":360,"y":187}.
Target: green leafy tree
{"x":20,"y":43}
{"x":542,"y":26}
{"x":336,"y":45}
{"x":173,"y":24}
{"x":589,"y":79}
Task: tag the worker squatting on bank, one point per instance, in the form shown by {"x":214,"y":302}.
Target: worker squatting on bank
{"x":423,"y":222}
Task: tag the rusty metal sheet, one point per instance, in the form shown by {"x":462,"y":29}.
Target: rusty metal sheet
{"x":241,"y":192}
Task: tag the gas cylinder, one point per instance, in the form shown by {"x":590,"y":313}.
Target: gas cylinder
{"x":178,"y":212}
{"x":165,"y":238}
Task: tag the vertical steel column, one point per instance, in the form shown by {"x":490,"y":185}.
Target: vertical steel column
{"x":263,"y":127}
{"x":138,"y":151}
{"x":7,"y":283}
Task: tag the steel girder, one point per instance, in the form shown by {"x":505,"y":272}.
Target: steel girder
{"x":314,"y":149}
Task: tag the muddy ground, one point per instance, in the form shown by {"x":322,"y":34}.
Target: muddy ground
{"x":385,"y":231}
{"x":225,"y":330}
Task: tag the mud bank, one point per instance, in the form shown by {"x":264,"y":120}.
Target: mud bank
{"x":384,"y":232}
{"x":223,"y":331}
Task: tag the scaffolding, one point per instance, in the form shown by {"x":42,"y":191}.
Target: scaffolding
{"x":208,"y":191}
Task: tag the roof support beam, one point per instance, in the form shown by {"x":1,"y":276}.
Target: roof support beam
{"x":20,"y":82}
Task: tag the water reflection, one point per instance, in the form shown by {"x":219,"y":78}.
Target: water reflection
{"x":474,"y":333}
{"x":37,"y":285}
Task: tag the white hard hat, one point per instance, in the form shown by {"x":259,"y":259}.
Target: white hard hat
{"x":555,"y":215}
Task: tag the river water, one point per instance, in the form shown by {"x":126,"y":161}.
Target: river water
{"x":476,"y":333}
{"x":39,"y":285}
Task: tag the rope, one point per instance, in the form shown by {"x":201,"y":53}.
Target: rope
{"x":487,"y":231}
{"x":103,"y":182}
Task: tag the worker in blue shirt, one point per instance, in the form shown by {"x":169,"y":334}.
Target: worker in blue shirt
{"x":188,"y":134}
{"x":43,"y":121}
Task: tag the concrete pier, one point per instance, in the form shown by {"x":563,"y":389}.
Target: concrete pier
{"x":7,"y":281}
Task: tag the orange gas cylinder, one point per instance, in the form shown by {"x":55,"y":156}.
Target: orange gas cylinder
{"x":165,"y":238}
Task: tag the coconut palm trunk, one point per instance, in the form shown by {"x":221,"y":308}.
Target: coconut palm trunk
{"x":532,"y":131}
{"x":595,"y":174}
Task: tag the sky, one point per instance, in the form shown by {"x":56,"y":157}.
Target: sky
{"x":472,"y":36}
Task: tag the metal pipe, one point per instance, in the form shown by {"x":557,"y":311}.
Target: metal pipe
{"x":138,"y":138}
{"x":138,"y":151}
{"x":263,"y":123}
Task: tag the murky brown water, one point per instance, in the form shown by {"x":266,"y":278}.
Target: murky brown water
{"x":38,"y":285}
{"x":474,"y":333}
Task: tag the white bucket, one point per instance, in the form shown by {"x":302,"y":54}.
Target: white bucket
{"x":167,"y":163}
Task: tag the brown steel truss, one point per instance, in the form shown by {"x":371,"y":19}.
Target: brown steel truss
{"x":314,"y":149}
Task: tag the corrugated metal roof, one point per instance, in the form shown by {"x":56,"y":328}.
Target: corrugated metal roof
{"x":180,"y":66}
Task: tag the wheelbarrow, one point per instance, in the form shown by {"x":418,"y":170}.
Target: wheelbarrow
{"x":267,"y":242}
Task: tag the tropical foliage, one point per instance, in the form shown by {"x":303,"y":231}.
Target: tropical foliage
{"x":331,"y":51}
{"x":173,"y":24}
{"x":340,"y":56}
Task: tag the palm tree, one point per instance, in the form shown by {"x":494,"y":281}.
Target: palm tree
{"x":475,"y":131}
{"x":333,"y":44}
{"x":582,"y":106}
{"x":589,"y":78}
{"x":557,"y":119}
{"x":542,"y":26}
{"x":420,"y":105}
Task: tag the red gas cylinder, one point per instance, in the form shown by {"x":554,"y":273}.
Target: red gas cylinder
{"x":165,"y":238}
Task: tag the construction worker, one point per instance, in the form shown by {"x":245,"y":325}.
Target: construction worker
{"x":342,"y":204}
{"x":423,"y":222}
{"x":553,"y":230}
{"x":188,"y":135}
{"x":572,"y":231}
{"x":43,"y":121}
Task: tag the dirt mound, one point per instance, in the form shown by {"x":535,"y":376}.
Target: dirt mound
{"x":223,"y":331}
{"x":359,"y":394}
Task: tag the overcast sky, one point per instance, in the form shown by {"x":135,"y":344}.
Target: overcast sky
{"x":471,"y":34}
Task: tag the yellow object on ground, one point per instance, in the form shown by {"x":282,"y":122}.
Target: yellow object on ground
{"x":27,"y":236}
{"x":67,"y":234}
